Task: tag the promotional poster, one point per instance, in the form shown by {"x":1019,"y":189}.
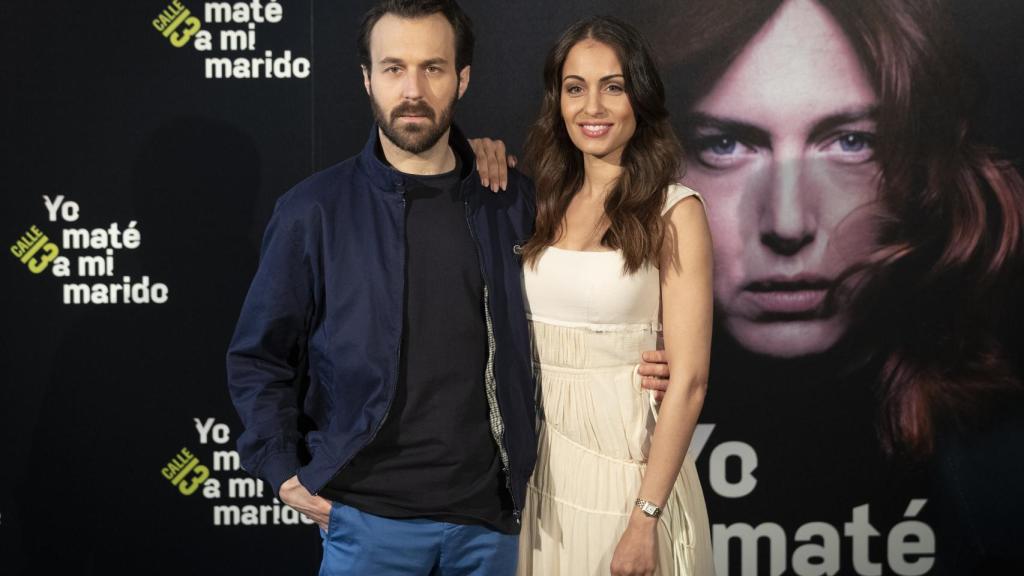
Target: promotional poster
{"x":860,"y":162}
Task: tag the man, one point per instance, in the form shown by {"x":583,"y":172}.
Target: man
{"x":394,"y":283}
{"x":381,"y":363}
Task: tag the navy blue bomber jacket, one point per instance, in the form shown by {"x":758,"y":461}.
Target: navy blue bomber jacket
{"x":313,"y":364}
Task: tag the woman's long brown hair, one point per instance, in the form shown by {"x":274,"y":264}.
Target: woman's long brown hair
{"x":931,"y":297}
{"x":650,"y":161}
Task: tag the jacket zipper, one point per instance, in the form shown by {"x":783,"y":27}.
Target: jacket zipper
{"x":490,"y":379}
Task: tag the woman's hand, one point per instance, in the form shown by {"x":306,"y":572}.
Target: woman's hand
{"x":492,"y":162}
{"x":637,"y":551}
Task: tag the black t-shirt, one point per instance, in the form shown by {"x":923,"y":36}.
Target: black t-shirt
{"x":434,"y":456}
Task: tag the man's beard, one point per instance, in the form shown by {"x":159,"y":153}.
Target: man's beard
{"x":412,"y":137}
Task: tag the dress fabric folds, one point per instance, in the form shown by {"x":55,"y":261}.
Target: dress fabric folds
{"x":590,"y":321}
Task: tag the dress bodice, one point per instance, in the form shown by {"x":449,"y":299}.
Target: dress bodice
{"x":591,"y":289}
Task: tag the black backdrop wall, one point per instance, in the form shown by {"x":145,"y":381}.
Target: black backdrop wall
{"x":132,"y":172}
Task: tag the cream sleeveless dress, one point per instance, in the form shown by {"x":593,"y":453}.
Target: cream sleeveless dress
{"x":590,"y":322}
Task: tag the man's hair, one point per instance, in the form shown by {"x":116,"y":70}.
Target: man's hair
{"x":450,"y":9}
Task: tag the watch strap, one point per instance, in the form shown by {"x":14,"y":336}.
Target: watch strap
{"x":648,"y":508}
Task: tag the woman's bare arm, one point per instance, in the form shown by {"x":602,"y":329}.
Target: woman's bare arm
{"x":686,"y":300}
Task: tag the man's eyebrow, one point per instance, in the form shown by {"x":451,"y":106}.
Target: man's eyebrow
{"x":434,"y":62}
{"x":743,"y":131}
{"x":602,"y":79}
{"x":841,"y":118}
{"x":399,"y":61}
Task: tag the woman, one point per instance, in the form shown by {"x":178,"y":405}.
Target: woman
{"x":612,"y":491}
{"x":858,"y":224}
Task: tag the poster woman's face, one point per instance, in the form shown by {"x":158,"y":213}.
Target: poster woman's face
{"x":783,"y":151}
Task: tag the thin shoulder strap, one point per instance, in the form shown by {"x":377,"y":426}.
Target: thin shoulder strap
{"x":677,"y":192}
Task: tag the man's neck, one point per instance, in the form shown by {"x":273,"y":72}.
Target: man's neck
{"x":438,"y":159}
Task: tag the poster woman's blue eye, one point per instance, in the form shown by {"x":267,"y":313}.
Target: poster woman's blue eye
{"x":851,"y":147}
{"x":721,"y":150}
{"x":721,"y":145}
{"x":854,"y":142}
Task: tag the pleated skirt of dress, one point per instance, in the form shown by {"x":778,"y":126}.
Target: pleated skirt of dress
{"x":594,"y":437}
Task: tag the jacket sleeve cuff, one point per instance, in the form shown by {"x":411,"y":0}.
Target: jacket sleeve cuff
{"x":278,"y":468}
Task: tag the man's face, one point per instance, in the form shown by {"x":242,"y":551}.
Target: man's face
{"x":784,"y":154}
{"x":412,"y":81}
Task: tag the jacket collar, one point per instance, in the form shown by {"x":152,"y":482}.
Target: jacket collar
{"x":387,"y":179}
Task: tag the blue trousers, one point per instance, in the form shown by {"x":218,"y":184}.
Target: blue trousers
{"x":357,"y":543}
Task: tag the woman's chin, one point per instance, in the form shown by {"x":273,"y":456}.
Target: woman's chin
{"x":787,"y":339}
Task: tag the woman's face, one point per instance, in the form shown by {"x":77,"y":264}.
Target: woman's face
{"x":783,"y":152}
{"x":595,"y":106}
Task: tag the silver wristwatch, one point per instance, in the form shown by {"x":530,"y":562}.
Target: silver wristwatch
{"x":648,"y":508}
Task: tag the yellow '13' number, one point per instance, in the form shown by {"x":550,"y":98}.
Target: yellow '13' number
{"x":39,"y":263}
{"x":199,"y":475}
{"x":180,"y":38}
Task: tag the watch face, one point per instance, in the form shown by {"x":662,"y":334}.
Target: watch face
{"x":650,"y":509}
